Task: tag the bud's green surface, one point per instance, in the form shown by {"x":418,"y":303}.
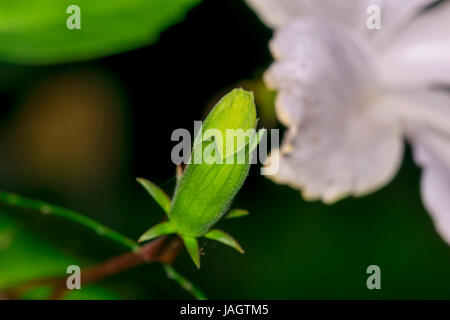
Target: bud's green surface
{"x":206,"y":190}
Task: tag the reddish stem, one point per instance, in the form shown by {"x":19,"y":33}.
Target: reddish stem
{"x":163,"y":250}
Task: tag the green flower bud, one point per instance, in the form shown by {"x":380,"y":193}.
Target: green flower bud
{"x":206,"y":190}
{"x":204,"y":193}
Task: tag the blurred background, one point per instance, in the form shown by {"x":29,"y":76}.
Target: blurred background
{"x":77,"y":134}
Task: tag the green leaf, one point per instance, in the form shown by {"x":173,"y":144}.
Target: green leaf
{"x":24,"y":256}
{"x":35,"y":31}
{"x":158,"y":230}
{"x":225,"y":238}
{"x":191,"y":244}
{"x":236,"y":213}
{"x":157,"y":193}
{"x":91,"y":292}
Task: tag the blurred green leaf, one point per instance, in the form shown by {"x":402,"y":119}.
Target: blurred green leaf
{"x":25,"y":256}
{"x":35,"y":31}
{"x":93,"y":292}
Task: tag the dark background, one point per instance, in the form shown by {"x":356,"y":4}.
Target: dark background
{"x":294,"y":249}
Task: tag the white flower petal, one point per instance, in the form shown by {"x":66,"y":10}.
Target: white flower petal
{"x":435,"y":185}
{"x":425,"y":116}
{"x":336,"y":152}
{"x":426,"y":119}
{"x":314,"y":57}
{"x":344,"y":134}
{"x":420,"y":110}
{"x":280,"y":13}
{"x":420,"y":56}
{"x":429,"y":126}
{"x":351,"y":13}
{"x":395,"y":15}
{"x":277,"y":13}
{"x":335,"y":145}
{"x":290,"y":109}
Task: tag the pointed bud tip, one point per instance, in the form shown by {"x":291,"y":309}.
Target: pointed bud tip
{"x":241,"y":93}
{"x":236,"y":110}
{"x":243,"y":99}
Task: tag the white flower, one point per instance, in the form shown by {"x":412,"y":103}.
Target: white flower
{"x":350,"y":95}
